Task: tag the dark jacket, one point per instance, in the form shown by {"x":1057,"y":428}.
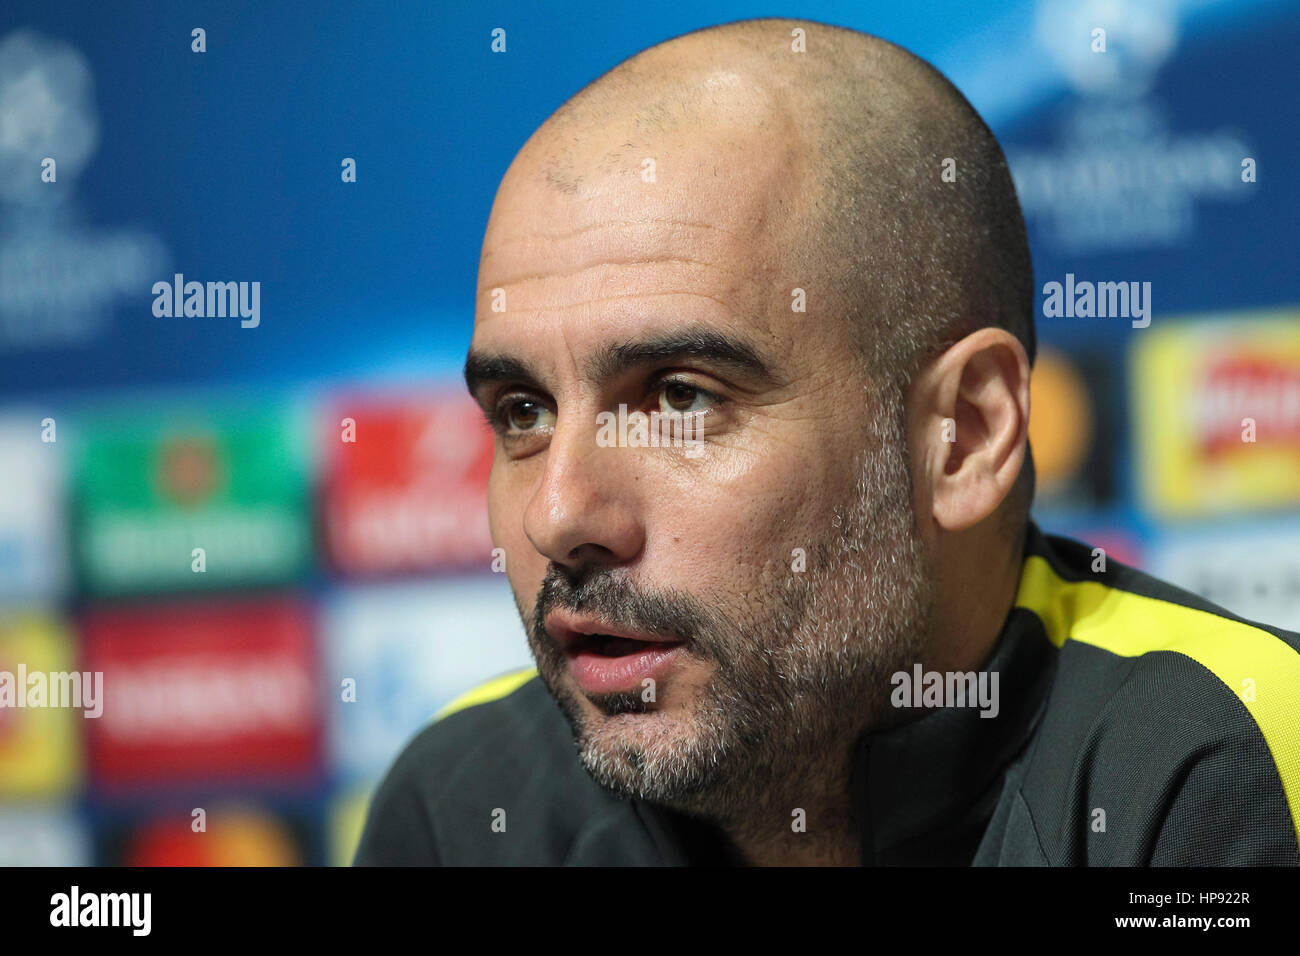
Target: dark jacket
{"x":1137,"y":725}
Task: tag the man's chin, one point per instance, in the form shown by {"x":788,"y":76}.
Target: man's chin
{"x":667,"y":750}
{"x":659,"y":753}
{"x":622,"y":722}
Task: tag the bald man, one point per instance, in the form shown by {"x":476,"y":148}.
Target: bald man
{"x":759,"y":376}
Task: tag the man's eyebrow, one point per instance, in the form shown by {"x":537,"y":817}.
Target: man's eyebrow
{"x":483,"y":370}
{"x":697,"y":342}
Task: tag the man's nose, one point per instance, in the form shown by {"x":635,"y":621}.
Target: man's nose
{"x":585,"y":510}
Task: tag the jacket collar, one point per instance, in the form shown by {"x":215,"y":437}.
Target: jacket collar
{"x":923,"y":792}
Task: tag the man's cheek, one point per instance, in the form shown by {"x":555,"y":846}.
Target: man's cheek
{"x":512,"y":553}
{"x":505,"y":519}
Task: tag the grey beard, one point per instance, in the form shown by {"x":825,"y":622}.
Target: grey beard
{"x":793,"y":686}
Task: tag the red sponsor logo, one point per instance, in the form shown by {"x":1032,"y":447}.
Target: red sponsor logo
{"x":203,"y":691}
{"x":1259,"y":388}
{"x":409,"y":491}
{"x":228,"y":838}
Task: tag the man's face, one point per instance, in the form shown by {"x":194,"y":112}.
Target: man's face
{"x":754,"y":592}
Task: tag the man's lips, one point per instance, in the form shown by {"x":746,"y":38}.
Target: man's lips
{"x":608,"y":658}
{"x":572,"y":632}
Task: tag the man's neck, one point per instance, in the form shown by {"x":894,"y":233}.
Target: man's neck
{"x":809,"y":824}
{"x":800,"y":849}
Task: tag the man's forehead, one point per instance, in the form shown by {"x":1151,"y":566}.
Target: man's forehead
{"x":544,"y":234}
{"x":624,"y":281}
{"x":654,"y":235}
{"x":548,"y":266}
{"x":703,"y":185}
{"x":573,"y":291}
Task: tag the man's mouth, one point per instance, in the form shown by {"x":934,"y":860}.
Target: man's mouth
{"x":607,"y":645}
{"x":608,"y":659}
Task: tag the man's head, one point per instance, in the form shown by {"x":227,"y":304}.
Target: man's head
{"x":770,"y":243}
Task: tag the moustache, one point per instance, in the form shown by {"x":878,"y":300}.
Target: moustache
{"x":618,"y":602}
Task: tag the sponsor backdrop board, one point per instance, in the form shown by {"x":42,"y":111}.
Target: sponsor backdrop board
{"x":237,"y":466}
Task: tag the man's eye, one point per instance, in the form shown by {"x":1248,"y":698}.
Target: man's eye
{"x":524,"y":415}
{"x":679,"y":398}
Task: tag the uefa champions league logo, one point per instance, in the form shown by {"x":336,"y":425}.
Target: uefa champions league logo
{"x":59,"y":278}
{"x":1119,"y":175}
{"x":1138,"y":38}
{"x":46,"y":110}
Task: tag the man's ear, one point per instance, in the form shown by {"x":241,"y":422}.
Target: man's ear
{"x":968,"y":423}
